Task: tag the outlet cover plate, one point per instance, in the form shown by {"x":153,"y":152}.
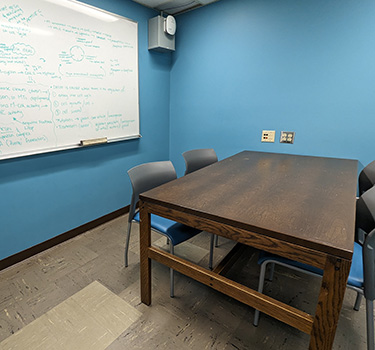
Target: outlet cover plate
{"x":287,"y":137}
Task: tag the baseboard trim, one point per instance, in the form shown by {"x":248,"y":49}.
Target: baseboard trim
{"x":29,"y":252}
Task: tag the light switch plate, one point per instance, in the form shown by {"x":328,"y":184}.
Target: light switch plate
{"x":287,"y":137}
{"x":268,"y":136}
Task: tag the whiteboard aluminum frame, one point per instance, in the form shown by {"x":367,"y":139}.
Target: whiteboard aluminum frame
{"x":65,"y":148}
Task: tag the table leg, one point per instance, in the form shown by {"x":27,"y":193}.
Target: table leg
{"x":330,"y":301}
{"x":145,"y":261}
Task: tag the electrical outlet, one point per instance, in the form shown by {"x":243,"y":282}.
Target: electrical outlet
{"x":268,"y":136}
{"x":287,"y":137}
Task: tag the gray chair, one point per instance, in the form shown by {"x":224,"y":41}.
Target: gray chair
{"x":366,"y":178}
{"x":362,"y":271}
{"x":143,"y":178}
{"x":196,"y":159}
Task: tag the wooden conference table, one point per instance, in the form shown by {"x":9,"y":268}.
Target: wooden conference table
{"x":299,"y":207}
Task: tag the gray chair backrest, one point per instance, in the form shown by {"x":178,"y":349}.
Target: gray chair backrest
{"x":146,"y":176}
{"x":369,"y":266}
{"x":198,"y":158}
{"x":366,"y":178}
{"x":365,"y":223}
{"x":365,"y":215}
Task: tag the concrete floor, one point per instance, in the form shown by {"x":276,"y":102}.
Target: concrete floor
{"x":198,"y":317}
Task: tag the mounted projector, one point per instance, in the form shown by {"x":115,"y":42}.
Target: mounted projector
{"x":159,"y":33}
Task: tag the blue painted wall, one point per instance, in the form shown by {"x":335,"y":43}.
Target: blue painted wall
{"x":241,"y":66}
{"x":45,"y":195}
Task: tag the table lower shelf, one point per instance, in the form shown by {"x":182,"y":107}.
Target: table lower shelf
{"x":283,"y":312}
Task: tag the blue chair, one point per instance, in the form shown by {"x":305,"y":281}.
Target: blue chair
{"x":366,"y":178}
{"x":196,"y":159}
{"x":362,"y":271}
{"x":144,"y":177}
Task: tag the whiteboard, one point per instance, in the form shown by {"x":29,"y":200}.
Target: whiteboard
{"x":68,"y":73}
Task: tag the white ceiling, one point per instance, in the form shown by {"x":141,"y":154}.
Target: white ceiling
{"x":174,"y":7}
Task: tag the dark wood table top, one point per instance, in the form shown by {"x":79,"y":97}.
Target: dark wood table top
{"x":308,"y":201}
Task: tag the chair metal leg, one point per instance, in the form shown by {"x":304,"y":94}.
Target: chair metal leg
{"x":127,"y":243}
{"x":370,"y":324}
{"x":171,"y":248}
{"x":216,"y":241}
{"x":211,"y":257}
{"x":262,"y":276}
{"x":272,"y":270}
{"x":358,"y":300}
